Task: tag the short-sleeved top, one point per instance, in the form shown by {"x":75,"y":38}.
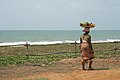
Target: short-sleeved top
{"x":86,"y":38}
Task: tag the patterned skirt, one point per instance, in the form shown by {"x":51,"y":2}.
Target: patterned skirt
{"x":87,"y":52}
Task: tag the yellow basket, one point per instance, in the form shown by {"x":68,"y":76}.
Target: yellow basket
{"x":87,"y":24}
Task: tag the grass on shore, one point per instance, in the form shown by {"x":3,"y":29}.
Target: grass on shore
{"x":47,"y":59}
{"x":6,"y":60}
{"x":17,"y":55}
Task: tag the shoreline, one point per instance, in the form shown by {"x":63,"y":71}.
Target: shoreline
{"x":24,"y":43}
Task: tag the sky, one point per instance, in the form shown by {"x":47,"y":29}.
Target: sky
{"x":59,"y":14}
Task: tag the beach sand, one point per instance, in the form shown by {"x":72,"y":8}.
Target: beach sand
{"x":107,"y":67}
{"x":66,"y":69}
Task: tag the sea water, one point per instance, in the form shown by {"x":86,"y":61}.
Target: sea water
{"x":54,"y":36}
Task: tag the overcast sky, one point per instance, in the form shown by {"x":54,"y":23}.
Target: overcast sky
{"x":59,"y":14}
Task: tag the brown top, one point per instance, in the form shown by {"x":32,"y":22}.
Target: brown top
{"x":85,"y":38}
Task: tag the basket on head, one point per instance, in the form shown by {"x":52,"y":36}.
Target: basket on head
{"x":87,"y":24}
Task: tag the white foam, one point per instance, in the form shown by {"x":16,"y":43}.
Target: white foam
{"x":69,"y":41}
{"x":108,"y":40}
{"x":12,"y":43}
{"x":52,"y":42}
{"x":45,"y":43}
{"x":30,"y":43}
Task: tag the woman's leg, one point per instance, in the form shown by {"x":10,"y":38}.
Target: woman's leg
{"x":83,"y":64}
{"x":90,"y":64}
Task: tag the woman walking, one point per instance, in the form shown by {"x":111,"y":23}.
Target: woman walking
{"x":86,"y":46}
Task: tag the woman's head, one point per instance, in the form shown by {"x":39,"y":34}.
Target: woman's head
{"x":86,"y":30}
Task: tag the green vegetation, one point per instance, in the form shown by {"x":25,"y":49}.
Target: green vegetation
{"x":46,"y":59}
{"x":108,"y":54}
{"x":44,"y":54}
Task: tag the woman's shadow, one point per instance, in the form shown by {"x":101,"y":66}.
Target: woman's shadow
{"x":101,"y":69}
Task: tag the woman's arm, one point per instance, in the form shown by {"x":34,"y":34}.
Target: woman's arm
{"x":80,"y":43}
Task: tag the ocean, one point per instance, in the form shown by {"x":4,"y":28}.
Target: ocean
{"x":55,"y":36}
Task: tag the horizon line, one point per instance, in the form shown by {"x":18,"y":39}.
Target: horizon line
{"x":47,"y":29}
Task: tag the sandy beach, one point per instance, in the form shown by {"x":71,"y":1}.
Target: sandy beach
{"x":66,"y":69}
{"x":44,"y":63}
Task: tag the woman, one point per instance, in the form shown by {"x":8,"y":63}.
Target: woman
{"x":86,"y":48}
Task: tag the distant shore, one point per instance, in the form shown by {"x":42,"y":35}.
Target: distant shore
{"x":52,"y":42}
